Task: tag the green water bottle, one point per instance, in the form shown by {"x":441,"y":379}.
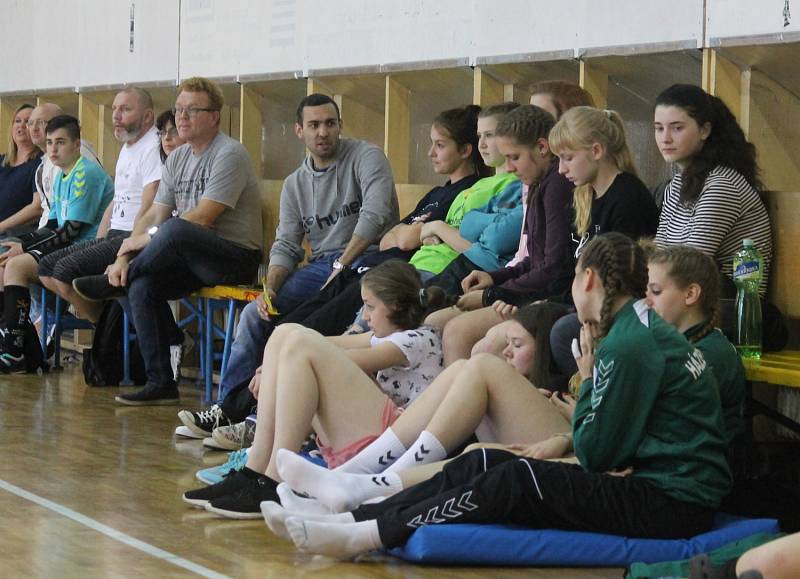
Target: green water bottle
{"x":748,"y":267}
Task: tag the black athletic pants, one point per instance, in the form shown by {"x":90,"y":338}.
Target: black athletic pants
{"x":494,"y":486}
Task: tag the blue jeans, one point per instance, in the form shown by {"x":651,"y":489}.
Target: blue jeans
{"x":252,"y":333}
{"x":181,"y":258}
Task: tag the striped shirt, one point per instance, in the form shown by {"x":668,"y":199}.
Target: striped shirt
{"x":728,"y":210}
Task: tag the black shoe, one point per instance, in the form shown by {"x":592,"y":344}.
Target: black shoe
{"x":96,"y":288}
{"x":231,"y":483}
{"x":246,"y":503}
{"x":203,"y":423}
{"x":10,"y":364}
{"x":151,"y":395}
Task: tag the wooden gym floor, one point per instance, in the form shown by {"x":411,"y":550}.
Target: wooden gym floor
{"x":92,"y":489}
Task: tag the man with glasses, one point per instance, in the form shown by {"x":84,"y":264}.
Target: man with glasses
{"x":203,"y":229}
{"x":138,"y":173}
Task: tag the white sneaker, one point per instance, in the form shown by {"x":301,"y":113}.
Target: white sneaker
{"x":186,"y":432}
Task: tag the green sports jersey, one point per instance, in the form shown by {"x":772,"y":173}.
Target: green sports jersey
{"x":434,"y":258}
{"x":724,"y":361}
{"x":653,"y":405}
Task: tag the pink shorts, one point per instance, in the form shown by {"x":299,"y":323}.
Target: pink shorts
{"x":334,"y":458}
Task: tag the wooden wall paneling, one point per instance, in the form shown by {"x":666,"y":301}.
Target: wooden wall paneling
{"x":594,"y":80}
{"x":487,"y":90}
{"x":397,"y":128}
{"x":251,"y":125}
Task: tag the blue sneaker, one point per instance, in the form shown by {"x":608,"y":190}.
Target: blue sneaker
{"x":236,"y":461}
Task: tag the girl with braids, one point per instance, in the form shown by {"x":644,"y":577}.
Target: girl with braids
{"x":713,"y":203}
{"x":647,"y":433}
{"x":348,"y":389}
{"x":683,"y":289}
{"x":522,"y":138}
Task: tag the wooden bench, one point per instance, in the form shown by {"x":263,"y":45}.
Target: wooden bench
{"x":777,"y":368}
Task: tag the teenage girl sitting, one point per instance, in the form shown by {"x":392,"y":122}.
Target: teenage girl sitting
{"x":594,"y":155}
{"x":497,"y":397}
{"x":347,"y":389}
{"x":522,"y":138}
{"x":647,"y":432}
{"x":713,"y":203}
{"x":683,"y":288}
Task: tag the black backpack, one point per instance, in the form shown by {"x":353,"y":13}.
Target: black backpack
{"x":103,"y":362}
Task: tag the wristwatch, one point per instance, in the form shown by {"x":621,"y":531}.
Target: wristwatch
{"x":338,"y":265}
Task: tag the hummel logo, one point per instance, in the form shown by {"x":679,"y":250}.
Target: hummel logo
{"x":450,"y":510}
{"x":384,"y":461}
{"x":381,"y":481}
{"x":419,"y":458}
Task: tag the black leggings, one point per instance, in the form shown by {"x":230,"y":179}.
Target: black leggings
{"x":494,"y":486}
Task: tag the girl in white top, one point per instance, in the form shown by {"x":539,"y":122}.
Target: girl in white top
{"x":347,"y":389}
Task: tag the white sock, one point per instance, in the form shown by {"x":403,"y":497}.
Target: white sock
{"x":376,"y":456}
{"x":275,"y":516}
{"x":425,"y":450}
{"x":340,"y":540}
{"x":339,"y":491}
{"x":300,"y":505}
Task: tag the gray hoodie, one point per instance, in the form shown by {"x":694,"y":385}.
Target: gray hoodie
{"x":353,"y":196}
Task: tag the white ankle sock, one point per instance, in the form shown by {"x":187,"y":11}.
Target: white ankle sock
{"x":300,"y":505}
{"x":425,"y":450}
{"x":339,"y":491}
{"x":377,"y":456}
{"x":275,"y":516}
{"x":340,"y":540}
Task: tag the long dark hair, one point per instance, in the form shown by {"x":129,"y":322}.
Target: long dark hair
{"x":397,"y":284}
{"x":726,"y":144}
{"x":620,"y":264}
{"x":461,"y":124}
{"x":538,"y":320}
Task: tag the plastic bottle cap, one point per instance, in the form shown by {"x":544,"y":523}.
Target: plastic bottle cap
{"x":748,"y":242}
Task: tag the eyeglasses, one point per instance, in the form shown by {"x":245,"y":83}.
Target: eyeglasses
{"x":38,"y":124}
{"x":173,"y":132}
{"x":190,"y":112}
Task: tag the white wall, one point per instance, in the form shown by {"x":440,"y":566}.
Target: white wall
{"x":735,"y":18}
{"x":87,"y":42}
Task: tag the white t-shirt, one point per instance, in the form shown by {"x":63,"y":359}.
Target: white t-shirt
{"x":138,"y":165}
{"x":46,"y":176}
{"x":423,"y":350}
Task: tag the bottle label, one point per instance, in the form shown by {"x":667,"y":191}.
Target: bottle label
{"x":746,"y":270}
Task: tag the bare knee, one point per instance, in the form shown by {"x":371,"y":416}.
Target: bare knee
{"x":456,"y":340}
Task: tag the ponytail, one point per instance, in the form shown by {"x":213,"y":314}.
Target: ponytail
{"x":580,"y":128}
{"x":397,"y":284}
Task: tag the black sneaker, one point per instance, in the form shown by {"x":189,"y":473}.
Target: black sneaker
{"x":203,"y":423}
{"x":246,"y":503}
{"x":96,"y":288}
{"x":151,"y":395}
{"x":231,"y":483}
{"x":10,"y":364}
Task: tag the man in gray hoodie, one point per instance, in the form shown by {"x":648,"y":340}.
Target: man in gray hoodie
{"x":342,"y":200}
